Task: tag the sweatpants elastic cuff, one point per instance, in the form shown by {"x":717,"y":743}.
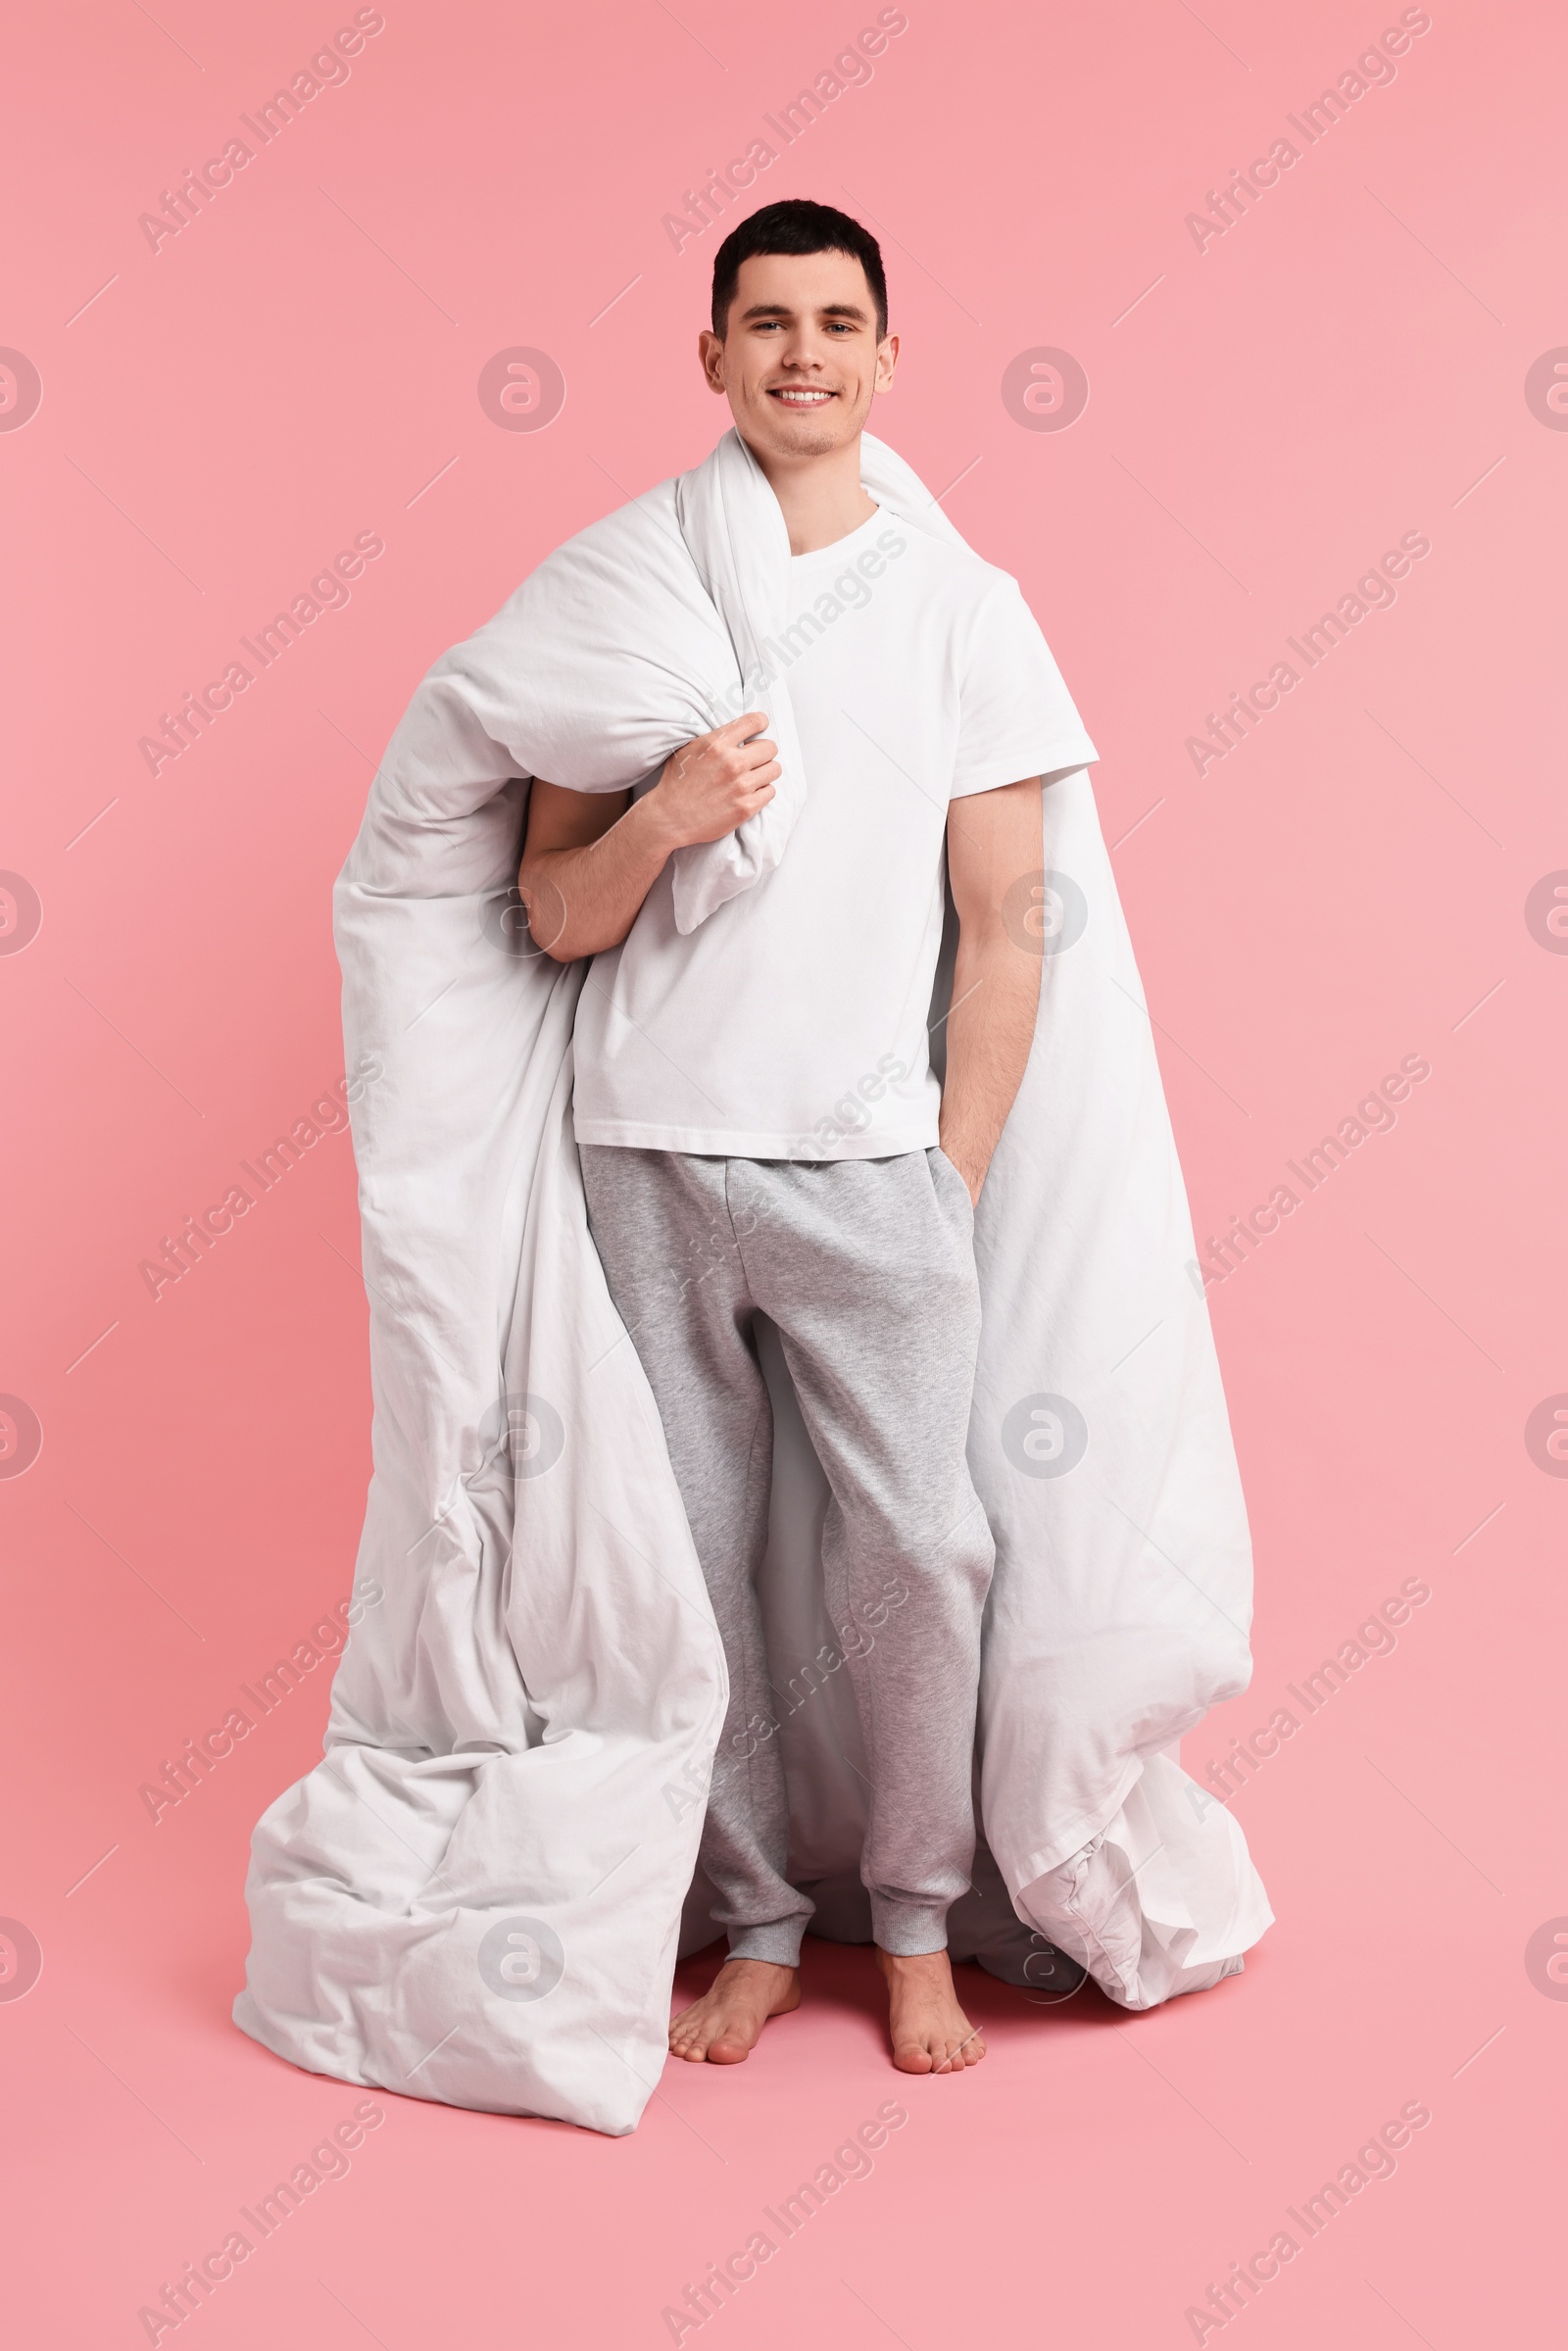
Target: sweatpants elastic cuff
{"x":908,"y":1929}
{"x":780,"y":1943}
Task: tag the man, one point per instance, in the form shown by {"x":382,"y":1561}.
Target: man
{"x":725,"y":1176}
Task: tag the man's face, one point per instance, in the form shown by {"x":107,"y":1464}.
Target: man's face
{"x":799,"y":360}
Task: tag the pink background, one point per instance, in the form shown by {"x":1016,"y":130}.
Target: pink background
{"x":1344,"y":364}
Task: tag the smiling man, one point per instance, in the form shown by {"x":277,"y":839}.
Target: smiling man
{"x":762,"y":1133}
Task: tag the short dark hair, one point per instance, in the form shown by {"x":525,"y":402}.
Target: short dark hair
{"x":797,"y":225}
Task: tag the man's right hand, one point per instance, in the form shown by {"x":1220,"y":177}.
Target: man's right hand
{"x":591,"y":858}
{"x":712,"y":785}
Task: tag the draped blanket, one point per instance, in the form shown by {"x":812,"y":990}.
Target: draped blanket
{"x":476,"y":1897}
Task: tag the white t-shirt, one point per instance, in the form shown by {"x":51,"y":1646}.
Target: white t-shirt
{"x":792,"y":1023}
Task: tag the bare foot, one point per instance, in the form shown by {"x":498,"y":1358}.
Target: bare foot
{"x":725,"y":2025}
{"x":931,"y":2034}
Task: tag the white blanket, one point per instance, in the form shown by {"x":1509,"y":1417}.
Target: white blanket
{"x":476,"y":1897}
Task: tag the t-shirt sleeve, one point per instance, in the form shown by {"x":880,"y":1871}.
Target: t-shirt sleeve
{"x":1015,"y":717}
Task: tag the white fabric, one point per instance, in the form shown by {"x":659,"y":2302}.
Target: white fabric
{"x":791,"y":1024}
{"x":476,"y":1895}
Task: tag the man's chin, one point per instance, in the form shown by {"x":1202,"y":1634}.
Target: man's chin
{"x":813,"y":433}
{"x":809,"y":441}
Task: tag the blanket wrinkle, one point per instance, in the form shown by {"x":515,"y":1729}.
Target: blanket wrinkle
{"x":479,"y":1894}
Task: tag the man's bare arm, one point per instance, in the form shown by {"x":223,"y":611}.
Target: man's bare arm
{"x":591,"y":858}
{"x":993,"y":842}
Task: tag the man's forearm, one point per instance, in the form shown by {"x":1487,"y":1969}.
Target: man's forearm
{"x":581,"y":901}
{"x":996,"y":995}
{"x":583,"y":879}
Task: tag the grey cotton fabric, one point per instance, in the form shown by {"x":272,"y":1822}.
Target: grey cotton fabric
{"x":865,"y":1268}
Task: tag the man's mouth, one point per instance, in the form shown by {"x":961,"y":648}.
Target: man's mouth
{"x":800,"y":396}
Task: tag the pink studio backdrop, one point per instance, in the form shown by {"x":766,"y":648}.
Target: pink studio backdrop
{"x":1363,"y":358}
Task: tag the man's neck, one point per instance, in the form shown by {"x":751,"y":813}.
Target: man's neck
{"x":820,"y":497}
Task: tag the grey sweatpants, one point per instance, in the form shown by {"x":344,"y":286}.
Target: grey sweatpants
{"x":867,"y":1268}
